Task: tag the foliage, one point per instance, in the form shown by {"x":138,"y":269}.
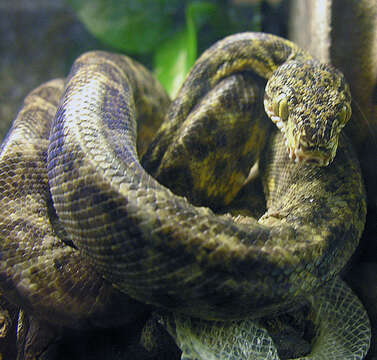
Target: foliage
{"x":171,"y":31}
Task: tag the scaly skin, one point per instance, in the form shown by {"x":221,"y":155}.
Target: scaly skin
{"x":153,"y":244}
{"x":39,"y":269}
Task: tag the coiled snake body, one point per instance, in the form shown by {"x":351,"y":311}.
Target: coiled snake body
{"x":149,"y":241}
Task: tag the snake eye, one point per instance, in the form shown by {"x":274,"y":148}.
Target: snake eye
{"x":344,"y":114}
{"x":280,"y":107}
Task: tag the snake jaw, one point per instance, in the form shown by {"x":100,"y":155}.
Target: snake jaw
{"x":299,"y":155}
{"x":296,"y":152}
{"x":275,"y":119}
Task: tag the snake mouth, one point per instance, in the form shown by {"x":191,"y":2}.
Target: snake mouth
{"x":296,"y":151}
{"x":299,"y":155}
{"x":275,"y":119}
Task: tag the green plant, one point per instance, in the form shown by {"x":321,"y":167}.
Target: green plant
{"x":172,"y":32}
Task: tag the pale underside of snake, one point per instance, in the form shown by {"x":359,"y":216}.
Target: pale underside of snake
{"x":75,"y":196}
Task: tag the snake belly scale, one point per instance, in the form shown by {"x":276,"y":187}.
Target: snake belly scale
{"x":148,"y":240}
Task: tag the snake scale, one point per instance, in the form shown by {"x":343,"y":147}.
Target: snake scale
{"x":76,"y":197}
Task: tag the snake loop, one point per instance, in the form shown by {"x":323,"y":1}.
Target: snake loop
{"x":77,"y":205}
{"x":153,"y":244}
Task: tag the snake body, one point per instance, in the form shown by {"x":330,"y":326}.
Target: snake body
{"x":149,"y":241}
{"x":43,"y":274}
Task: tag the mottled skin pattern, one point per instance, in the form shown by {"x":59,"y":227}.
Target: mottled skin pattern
{"x":40,"y":270}
{"x":153,"y":244}
{"x":311,"y":120}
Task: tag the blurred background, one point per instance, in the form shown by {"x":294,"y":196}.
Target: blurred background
{"x":39,"y":39}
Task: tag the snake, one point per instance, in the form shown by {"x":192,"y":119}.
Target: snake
{"x":109,"y":188}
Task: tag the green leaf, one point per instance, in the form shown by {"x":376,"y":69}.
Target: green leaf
{"x":173,"y":30}
{"x":173,"y":61}
{"x":174,"y":58}
{"x":198,"y":13}
{"x":134,"y":26}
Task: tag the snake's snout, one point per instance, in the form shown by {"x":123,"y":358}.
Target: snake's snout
{"x":300,"y":155}
{"x":297,"y":151}
{"x":301,"y":152}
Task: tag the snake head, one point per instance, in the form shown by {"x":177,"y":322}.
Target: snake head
{"x":310,"y":103}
